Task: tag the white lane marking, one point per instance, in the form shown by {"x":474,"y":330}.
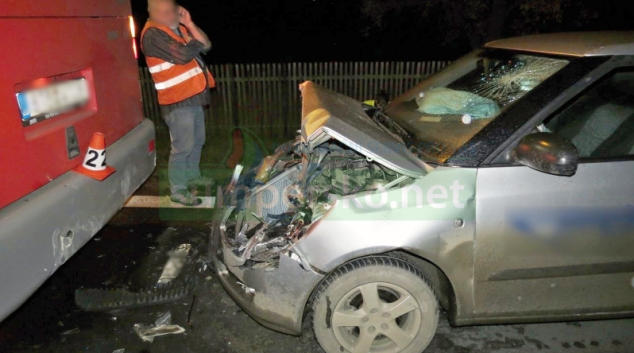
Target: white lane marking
{"x":140,"y":201}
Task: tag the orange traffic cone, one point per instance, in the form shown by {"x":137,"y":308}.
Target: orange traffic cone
{"x":95,"y":162}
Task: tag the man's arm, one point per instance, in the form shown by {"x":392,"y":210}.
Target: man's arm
{"x":200,"y":36}
{"x":197,"y":33}
{"x":159,"y":44}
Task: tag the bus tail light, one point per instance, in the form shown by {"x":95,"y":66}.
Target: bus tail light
{"x":134,"y":49}
{"x":132,"y":27}
{"x":133,"y":35}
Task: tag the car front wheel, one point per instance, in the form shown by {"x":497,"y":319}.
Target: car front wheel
{"x":377,"y":304}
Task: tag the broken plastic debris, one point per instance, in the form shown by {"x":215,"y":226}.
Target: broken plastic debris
{"x":71,"y":332}
{"x":175,"y":264}
{"x":164,"y":320}
{"x":235,"y":177}
{"x":295,"y":257}
{"x":147,"y":333}
{"x":245,"y":288}
{"x":122,"y":350}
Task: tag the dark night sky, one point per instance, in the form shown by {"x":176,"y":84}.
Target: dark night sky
{"x":269,"y":31}
{"x":332,"y":30}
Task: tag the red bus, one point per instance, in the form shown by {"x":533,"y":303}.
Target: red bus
{"x":68,"y":70}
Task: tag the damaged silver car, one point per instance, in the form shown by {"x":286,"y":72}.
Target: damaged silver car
{"x":499,"y":190}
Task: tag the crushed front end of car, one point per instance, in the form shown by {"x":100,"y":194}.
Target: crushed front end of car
{"x":265,"y":212}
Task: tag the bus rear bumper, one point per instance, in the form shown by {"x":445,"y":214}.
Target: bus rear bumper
{"x":39,"y":232}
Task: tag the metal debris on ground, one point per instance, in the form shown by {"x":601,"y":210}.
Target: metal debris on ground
{"x":147,"y":333}
{"x":175,"y":264}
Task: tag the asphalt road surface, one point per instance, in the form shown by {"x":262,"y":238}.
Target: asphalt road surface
{"x":131,"y":252}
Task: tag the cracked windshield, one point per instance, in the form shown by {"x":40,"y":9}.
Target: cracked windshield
{"x":447,"y":110}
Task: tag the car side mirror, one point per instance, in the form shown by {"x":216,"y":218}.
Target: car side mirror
{"x":548,"y":153}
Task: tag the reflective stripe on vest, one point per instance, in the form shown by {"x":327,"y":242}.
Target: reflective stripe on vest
{"x":179,"y":79}
{"x":162,"y":67}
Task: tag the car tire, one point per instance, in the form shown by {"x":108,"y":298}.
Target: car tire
{"x":375,"y":304}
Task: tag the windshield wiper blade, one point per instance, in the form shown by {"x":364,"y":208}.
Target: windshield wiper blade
{"x":391,"y":126}
{"x":387,"y":130}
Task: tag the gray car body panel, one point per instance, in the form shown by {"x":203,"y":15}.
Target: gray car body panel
{"x":542,"y":239}
{"x":45,"y":228}
{"x":417,"y":227}
{"x":572,"y":43}
{"x":325,"y":112}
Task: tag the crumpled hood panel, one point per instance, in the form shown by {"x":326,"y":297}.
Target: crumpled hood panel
{"x":325,"y":112}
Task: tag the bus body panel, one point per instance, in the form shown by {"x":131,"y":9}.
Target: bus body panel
{"x":64,"y":8}
{"x":40,"y":48}
{"x":45,"y":228}
{"x":47,"y":210}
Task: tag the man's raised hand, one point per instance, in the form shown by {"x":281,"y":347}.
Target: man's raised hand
{"x":185,"y":17}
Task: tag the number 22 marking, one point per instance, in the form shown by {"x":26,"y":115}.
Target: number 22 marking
{"x":95,"y":155}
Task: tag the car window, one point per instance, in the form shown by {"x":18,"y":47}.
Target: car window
{"x":600,"y":123}
{"x":446,"y":111}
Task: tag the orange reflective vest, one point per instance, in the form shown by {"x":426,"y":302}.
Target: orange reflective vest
{"x":175,"y":83}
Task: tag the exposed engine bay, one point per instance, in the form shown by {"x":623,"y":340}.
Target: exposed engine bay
{"x":274,"y":205}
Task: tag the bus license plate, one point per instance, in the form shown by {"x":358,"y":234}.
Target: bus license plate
{"x":42,"y":103}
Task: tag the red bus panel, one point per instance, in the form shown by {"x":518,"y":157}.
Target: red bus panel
{"x":64,"y":8}
{"x":51,"y":49}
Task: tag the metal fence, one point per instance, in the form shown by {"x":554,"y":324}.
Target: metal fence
{"x":265,"y":97}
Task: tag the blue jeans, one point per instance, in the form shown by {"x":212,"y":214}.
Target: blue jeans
{"x":187,"y":132}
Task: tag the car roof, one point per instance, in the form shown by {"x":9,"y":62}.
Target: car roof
{"x":571,"y":44}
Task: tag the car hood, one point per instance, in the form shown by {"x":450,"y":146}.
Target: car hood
{"x":330,"y":115}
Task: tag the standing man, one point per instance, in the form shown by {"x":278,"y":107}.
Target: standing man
{"x":173,"y":45}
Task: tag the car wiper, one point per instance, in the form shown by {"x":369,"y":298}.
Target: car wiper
{"x":392,"y":128}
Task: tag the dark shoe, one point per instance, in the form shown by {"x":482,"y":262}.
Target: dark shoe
{"x":185,"y":198}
